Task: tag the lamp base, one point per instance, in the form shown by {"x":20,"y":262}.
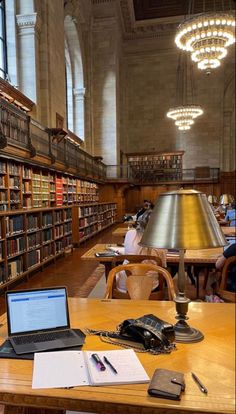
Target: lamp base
{"x":184,"y":333}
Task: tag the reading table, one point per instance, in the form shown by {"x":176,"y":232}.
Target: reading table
{"x":198,"y":258}
{"x":212,"y":360}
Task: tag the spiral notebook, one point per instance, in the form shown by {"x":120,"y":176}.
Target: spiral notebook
{"x":76,"y":368}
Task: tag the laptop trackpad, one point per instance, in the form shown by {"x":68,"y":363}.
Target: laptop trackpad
{"x":57,"y":343}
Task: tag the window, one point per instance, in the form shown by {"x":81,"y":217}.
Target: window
{"x":75,"y":90}
{"x":3,"y":44}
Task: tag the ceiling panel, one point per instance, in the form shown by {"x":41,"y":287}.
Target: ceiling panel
{"x":153,"y":9}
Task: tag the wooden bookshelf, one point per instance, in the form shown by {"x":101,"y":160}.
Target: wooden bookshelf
{"x":31,"y":238}
{"x":90,"y":219}
{"x":24,"y":186}
{"x":148,"y":165}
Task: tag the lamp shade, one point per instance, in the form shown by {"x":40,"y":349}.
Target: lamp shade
{"x":183,"y":219}
{"x":226,"y":199}
{"x":212,"y":199}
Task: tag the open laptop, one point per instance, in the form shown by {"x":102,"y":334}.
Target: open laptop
{"x":38,"y":320}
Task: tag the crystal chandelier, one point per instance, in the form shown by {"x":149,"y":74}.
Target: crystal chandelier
{"x":185,"y":111}
{"x":184,"y":115}
{"x":207,"y":37}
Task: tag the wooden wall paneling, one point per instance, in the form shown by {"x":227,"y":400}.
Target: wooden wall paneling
{"x":228,"y":183}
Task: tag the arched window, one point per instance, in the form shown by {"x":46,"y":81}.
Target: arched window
{"x":74,"y":79}
{"x":3,"y":41}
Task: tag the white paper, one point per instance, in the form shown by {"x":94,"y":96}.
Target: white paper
{"x":63,"y":369}
{"x":129,"y":368}
{"x":118,"y":249}
{"x":59,"y":369}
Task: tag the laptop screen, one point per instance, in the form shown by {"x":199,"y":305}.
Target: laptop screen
{"x":36,"y":310}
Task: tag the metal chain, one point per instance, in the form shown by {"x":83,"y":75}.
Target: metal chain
{"x":105,"y":337}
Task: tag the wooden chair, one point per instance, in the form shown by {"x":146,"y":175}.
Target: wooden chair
{"x":138,"y":270}
{"x":223,"y":292}
{"x":139,"y":258}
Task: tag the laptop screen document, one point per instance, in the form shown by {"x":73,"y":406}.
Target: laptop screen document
{"x":40,"y":311}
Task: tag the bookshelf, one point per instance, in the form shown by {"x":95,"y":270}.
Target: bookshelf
{"x":29,"y":239}
{"x":159,"y":165}
{"x":25,"y":187}
{"x":90,"y":219}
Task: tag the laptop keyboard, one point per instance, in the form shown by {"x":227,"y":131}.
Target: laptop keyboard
{"x":44,"y":337}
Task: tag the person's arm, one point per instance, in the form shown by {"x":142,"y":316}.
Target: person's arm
{"x":220,"y":262}
{"x":230,"y":251}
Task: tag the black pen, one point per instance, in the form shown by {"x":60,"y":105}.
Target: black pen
{"x":199,"y":383}
{"x":110,"y":365}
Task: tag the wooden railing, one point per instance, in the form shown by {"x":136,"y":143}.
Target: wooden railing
{"x":18,"y":129}
{"x":161,"y":176}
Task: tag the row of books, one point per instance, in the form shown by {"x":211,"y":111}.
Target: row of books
{"x":33,"y":257}
{"x":14,"y":224}
{"x":3,"y":196}
{"x":33,"y":240}
{"x":15,"y":245}
{"x":47,"y":235}
{"x":2,"y":181}
{"x":68,"y":227}
{"x":15,"y":268}
{"x":47,"y":251}
{"x":59,"y":231}
{"x":13,"y":168}
{"x":86,"y":221}
{"x":2,"y":167}
{"x":47,"y":219}
{"x":61,"y":245}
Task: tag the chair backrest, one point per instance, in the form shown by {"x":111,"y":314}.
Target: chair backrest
{"x":139,"y":270}
{"x":223,"y":292}
{"x":139,"y":258}
{"x":136,"y":258}
{"x":139,"y":287}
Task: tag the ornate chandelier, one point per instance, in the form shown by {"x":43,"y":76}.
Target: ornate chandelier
{"x":184,"y":115}
{"x":207,"y":37}
{"x":185,"y":111}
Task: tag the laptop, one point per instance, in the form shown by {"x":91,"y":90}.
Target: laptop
{"x":38,"y":320}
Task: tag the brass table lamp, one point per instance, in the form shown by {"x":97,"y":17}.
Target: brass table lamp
{"x":226,"y":199}
{"x":212,"y":199}
{"x":183,"y":219}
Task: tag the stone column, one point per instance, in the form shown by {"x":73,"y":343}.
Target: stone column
{"x":28,"y":57}
{"x":79,"y":119}
{"x":105,"y":72}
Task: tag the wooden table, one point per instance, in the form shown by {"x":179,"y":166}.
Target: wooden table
{"x":229,"y":231}
{"x":121,"y":231}
{"x":212,"y":360}
{"x":198,"y":258}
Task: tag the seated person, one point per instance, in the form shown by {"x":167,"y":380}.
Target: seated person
{"x":231,"y":280}
{"x":231,"y":215}
{"x":212,"y":283}
{"x":146,"y":206}
{"x":131,"y":246}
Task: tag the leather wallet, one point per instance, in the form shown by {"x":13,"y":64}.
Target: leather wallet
{"x":166,"y":384}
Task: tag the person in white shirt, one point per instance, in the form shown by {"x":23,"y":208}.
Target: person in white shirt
{"x":131,"y":246}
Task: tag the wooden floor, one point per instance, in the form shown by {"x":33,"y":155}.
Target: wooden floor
{"x":72,"y":272}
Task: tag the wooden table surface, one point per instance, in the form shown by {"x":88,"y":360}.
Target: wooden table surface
{"x":121,"y":231}
{"x":212,"y":360}
{"x":202,"y":257}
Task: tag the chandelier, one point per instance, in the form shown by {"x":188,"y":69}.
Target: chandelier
{"x":185,"y":111}
{"x":207,"y":37}
{"x":184,"y":115}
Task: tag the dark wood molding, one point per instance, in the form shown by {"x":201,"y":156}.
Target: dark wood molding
{"x":14,"y":96}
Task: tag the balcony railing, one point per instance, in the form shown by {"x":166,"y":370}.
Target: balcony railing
{"x":152,"y":176}
{"x":18,"y":129}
